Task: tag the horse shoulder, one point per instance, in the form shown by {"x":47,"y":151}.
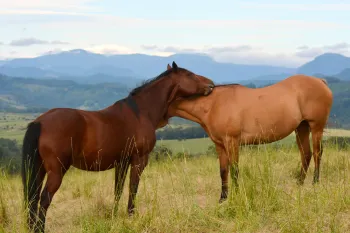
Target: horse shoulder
{"x":142,"y":135}
{"x":224,"y":120}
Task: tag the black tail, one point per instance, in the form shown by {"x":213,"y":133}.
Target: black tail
{"x":30,"y":170}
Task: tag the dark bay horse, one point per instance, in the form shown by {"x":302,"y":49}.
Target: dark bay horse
{"x":235,"y":115}
{"x":120,"y":135}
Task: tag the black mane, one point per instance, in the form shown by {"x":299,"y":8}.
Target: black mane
{"x":149,"y":81}
{"x":227,"y":84}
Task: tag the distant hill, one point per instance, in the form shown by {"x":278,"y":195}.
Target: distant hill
{"x":199,"y":63}
{"x":344,"y":75}
{"x":327,"y":64}
{"x":79,"y":62}
{"x":61,"y":62}
{"x":80,"y":65}
{"x":273,"y":77}
{"x":340,"y":113}
{"x":30,"y":72}
{"x":98,"y":78}
{"x":22,"y":94}
{"x":38,"y":95}
{"x":265,"y":79}
{"x":109,"y":70}
{"x":257,"y":83}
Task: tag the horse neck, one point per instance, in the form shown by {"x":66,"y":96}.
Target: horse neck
{"x":195,"y":109}
{"x":153,"y":100}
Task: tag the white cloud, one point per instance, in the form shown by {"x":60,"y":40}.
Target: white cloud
{"x":311,"y":52}
{"x":16,"y":54}
{"x":149,"y":47}
{"x":54,"y":51}
{"x":303,"y":47}
{"x":57,"y":4}
{"x":237,"y":53}
{"x":149,"y":23}
{"x":39,"y":12}
{"x":299,"y":7}
{"x":223,"y":24}
{"x":52,"y":7}
{"x":248,"y":54}
{"x":260,"y":58}
{"x":212,"y":49}
{"x":168,"y":49}
{"x":230,"y":49}
{"x":34,"y":41}
{"x":110,"y":49}
{"x":338,"y":46}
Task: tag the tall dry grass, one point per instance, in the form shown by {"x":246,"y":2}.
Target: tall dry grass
{"x":182,"y":195}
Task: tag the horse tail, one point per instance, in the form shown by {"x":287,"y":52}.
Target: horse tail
{"x":30,"y":170}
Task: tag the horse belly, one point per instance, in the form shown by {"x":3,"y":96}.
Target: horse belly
{"x":269,"y":129}
{"x":100,"y":149}
{"x":262,"y":137}
{"x":94,"y":162}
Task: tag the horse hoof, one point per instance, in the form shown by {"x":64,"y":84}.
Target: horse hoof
{"x":300,"y":182}
{"x":221,"y":200}
{"x":131,"y":212}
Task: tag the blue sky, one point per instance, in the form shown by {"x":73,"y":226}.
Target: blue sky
{"x":244,"y":32}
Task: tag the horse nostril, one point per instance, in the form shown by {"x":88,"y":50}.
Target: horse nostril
{"x":211,"y":86}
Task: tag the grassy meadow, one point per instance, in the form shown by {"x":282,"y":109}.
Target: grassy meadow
{"x":13,"y":125}
{"x":181,"y":195}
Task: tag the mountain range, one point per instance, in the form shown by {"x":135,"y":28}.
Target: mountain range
{"x":129,"y":69}
{"x":327,"y":64}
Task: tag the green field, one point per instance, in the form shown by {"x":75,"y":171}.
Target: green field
{"x":181,"y":194}
{"x":200,"y":145}
{"x":13,"y":125}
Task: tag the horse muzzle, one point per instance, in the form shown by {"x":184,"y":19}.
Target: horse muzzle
{"x":209,"y":89}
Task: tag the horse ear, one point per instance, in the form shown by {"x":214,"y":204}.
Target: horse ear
{"x":173,"y":94}
{"x":174,"y":66}
{"x":168,"y":67}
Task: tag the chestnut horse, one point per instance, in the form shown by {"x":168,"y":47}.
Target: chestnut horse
{"x":235,"y":115}
{"x":120,"y":135}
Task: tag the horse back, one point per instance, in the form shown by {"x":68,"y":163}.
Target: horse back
{"x":314,"y":96}
{"x":308,"y":83}
{"x":61,"y":128}
{"x":246,"y":112}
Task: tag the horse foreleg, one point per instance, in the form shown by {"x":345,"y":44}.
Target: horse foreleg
{"x":224,"y":161}
{"x":138,"y":164}
{"x":232,"y":150}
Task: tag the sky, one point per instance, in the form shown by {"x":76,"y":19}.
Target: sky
{"x":243,"y":32}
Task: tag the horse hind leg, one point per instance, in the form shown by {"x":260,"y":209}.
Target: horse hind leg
{"x":302,"y":137}
{"x":34,"y":202}
{"x":317,"y":134}
{"x":224,"y":170}
{"x":55,"y":172}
